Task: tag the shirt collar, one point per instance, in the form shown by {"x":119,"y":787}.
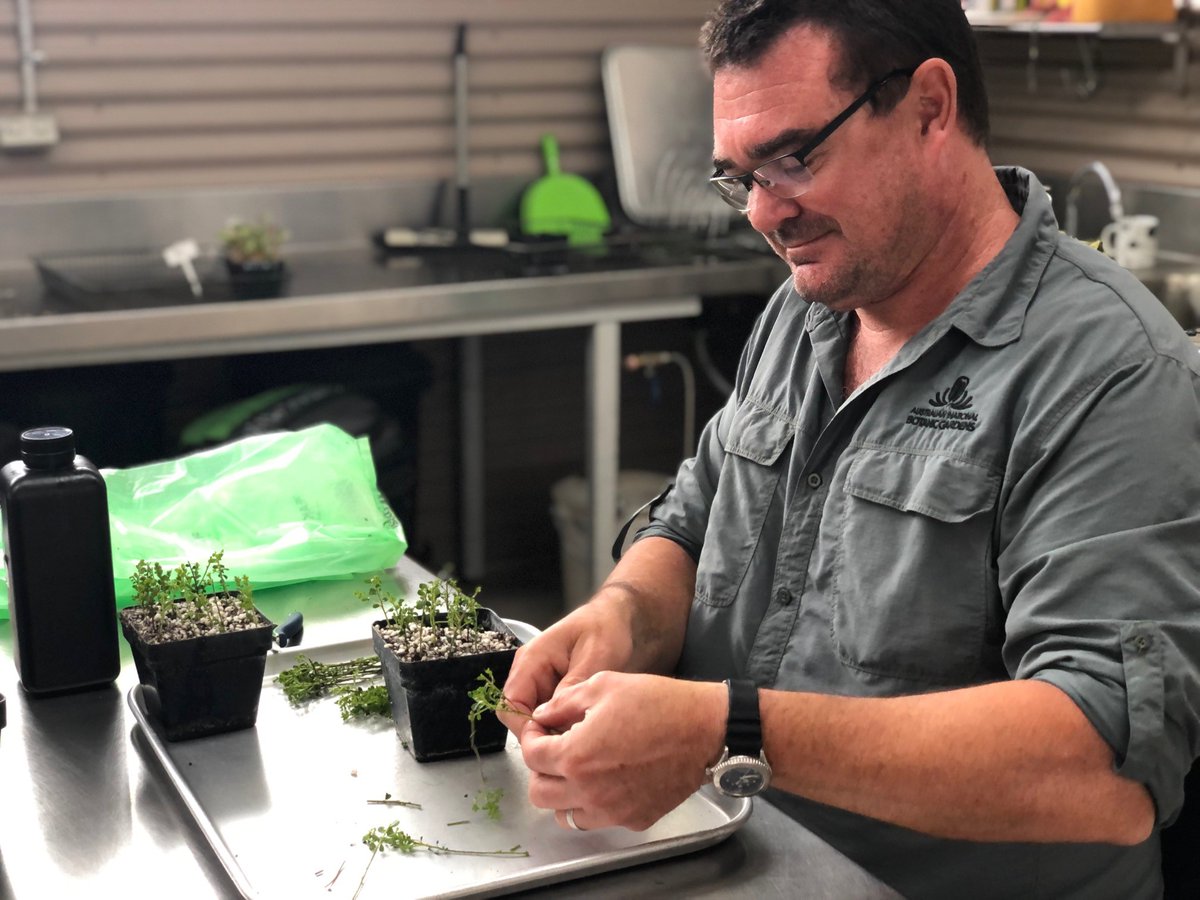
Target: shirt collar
{"x":991,"y":308}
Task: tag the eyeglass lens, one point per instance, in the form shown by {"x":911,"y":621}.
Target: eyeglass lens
{"x":787,"y":177}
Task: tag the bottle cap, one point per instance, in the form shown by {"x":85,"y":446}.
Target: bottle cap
{"x":48,"y":448}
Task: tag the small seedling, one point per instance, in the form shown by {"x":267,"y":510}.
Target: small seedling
{"x":395,"y":612}
{"x":462,"y":610}
{"x":443,"y":622}
{"x":248,"y":242}
{"x":433,"y":598}
{"x":190,"y":600}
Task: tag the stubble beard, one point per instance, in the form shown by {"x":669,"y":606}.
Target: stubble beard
{"x":840,"y":288}
{"x":857,"y":280}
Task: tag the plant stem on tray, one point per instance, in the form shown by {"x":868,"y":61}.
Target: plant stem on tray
{"x":390,"y":837}
{"x":309,"y":679}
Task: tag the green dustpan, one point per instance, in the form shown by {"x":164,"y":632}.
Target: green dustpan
{"x":563,"y":204}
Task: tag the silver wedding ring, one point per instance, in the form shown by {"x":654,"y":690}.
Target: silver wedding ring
{"x":569,"y":815}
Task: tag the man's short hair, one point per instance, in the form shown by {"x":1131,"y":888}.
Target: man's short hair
{"x":875,"y":37}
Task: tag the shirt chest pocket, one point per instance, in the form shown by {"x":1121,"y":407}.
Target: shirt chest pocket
{"x":745,"y":494}
{"x":914,"y":577}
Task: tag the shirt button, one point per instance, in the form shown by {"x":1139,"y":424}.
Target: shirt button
{"x":1142,"y":643}
{"x":784,"y":596}
{"x":814,"y":480}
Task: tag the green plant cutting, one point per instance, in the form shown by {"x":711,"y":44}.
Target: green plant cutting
{"x":488,"y":698}
{"x":487,"y":801}
{"x":311,"y":680}
{"x":391,"y":837}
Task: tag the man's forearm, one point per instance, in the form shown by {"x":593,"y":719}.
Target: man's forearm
{"x":653,"y":583}
{"x":1013,"y":761}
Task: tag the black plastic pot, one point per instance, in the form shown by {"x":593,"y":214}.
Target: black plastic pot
{"x":256,"y":280}
{"x":202,"y":686}
{"x":3,"y":714}
{"x":429,"y":698}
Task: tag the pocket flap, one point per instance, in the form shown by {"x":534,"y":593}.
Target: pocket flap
{"x":945,"y":488}
{"x":757,"y":434}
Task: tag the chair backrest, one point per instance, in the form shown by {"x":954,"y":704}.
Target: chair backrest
{"x":1181,"y":845}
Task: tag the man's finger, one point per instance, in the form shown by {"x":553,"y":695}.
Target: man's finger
{"x":566,"y":708}
{"x":542,"y":749}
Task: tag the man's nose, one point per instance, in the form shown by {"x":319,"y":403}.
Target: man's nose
{"x":767,"y":212}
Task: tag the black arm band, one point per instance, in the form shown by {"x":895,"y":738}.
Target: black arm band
{"x":743,"y":735}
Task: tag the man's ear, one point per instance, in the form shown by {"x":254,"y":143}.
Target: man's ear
{"x":936,"y":90}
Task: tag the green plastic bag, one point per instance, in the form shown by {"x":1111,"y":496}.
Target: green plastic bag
{"x":286,"y":507}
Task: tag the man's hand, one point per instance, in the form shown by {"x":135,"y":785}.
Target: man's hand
{"x":592,"y":639}
{"x":622,"y":749}
{"x":635,"y":623}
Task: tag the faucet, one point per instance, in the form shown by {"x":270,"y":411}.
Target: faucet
{"x":1115,"y":207}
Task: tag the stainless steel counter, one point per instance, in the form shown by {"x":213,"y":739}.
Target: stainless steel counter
{"x":346,"y":297}
{"x":351,"y":296}
{"x":86,"y":812}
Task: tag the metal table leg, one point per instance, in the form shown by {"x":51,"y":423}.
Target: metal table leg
{"x":473,"y":510}
{"x":603,"y":441}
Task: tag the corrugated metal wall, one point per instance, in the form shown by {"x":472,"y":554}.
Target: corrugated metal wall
{"x":1143,"y":120}
{"x":170,"y":94}
{"x":175,"y":94}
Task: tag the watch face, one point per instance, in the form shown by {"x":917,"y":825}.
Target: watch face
{"x":742,"y":780}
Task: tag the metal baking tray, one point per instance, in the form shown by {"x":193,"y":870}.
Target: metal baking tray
{"x":284,"y":806}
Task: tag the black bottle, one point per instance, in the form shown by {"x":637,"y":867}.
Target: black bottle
{"x":58,"y":554}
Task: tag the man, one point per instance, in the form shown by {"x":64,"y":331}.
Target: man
{"x":946,"y":531}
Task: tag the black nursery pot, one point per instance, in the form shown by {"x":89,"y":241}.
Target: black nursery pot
{"x":206,"y":685}
{"x":3,"y":714}
{"x":429,"y":699}
{"x":256,"y":280}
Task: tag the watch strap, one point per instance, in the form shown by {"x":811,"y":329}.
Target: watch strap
{"x":743,"y":733}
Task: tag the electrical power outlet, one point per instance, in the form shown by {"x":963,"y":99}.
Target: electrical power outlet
{"x":28,"y":131}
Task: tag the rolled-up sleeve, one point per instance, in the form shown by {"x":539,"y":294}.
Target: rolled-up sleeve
{"x":1099,"y":566}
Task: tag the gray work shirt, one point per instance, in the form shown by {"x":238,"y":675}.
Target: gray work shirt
{"x":1015,"y":495}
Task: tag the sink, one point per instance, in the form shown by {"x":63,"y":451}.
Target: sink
{"x":1176,"y":282}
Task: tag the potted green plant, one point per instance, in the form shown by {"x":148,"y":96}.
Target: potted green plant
{"x":252,"y":257}
{"x":433,"y":652}
{"x":199,"y":645}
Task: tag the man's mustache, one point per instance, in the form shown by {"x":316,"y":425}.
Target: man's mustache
{"x":802,"y":229}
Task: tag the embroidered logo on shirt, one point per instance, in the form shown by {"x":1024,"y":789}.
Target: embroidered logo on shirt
{"x":955,"y":398}
{"x":947,"y":409}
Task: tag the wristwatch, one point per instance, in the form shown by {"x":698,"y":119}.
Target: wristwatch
{"x":742,"y":770}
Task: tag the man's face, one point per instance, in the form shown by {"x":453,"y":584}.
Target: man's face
{"x":853,"y":238}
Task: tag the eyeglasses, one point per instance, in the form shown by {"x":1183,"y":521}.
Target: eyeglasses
{"x":788,"y":176}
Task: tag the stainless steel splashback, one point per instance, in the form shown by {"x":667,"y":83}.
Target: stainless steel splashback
{"x":314,"y":215}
